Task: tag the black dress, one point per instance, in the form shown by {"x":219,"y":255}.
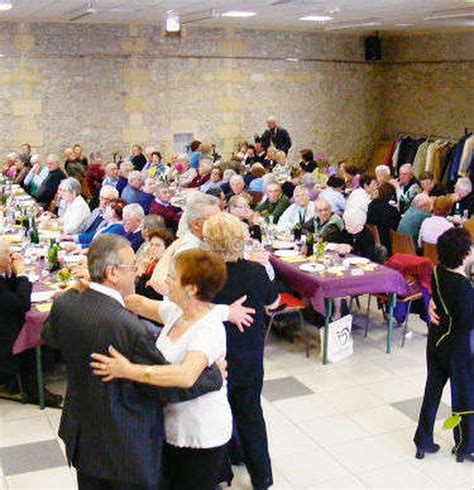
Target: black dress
{"x":245,"y":365}
{"x":450,"y":355}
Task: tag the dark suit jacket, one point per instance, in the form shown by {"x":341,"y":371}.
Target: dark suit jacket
{"x":15,"y":301}
{"x":281,"y":139}
{"x":112,"y":431}
{"x":47,"y":190}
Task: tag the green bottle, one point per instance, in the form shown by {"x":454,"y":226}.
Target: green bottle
{"x":309,"y":244}
{"x":34,"y":235}
{"x":53,"y":255}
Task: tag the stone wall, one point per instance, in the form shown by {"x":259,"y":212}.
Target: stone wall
{"x":109,"y":86}
{"x":429,"y":84}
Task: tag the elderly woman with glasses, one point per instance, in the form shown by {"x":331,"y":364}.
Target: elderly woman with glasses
{"x":76,"y":211}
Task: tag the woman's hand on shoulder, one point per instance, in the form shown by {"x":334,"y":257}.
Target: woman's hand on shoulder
{"x":113,"y":366}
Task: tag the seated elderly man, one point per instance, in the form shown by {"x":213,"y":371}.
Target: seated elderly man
{"x":275,"y":203}
{"x":464,"y":197}
{"x":333,"y":194}
{"x":133,"y":193}
{"x":325,"y":222}
{"x":299,"y":212}
{"x":106,"y":195}
{"x":76,"y":211}
{"x":408,"y":186}
{"x":132,"y":219}
{"x":162,"y":206}
{"x":48,"y":188}
{"x":111,"y":175}
{"x":237,"y":186}
{"x":412,"y":220}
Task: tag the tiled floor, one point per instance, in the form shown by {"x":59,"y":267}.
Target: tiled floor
{"x":345,"y":425}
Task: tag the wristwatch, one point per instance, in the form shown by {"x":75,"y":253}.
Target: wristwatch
{"x":149,"y":372}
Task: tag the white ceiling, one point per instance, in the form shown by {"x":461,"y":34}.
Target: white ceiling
{"x":276,"y":14}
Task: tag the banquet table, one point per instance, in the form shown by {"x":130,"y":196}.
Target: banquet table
{"x":321,"y":288}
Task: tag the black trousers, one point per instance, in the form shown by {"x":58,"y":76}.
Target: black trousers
{"x":85,"y":482}
{"x":252,"y":433}
{"x":453,"y":360}
{"x":193,"y":469}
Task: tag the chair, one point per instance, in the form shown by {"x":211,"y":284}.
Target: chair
{"x":402,"y":243}
{"x":430,"y":252}
{"x":375,"y":233}
{"x":289,"y":304}
{"x":469,"y":226}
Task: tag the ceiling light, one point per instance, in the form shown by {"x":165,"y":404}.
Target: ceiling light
{"x":451,"y":14}
{"x":352,"y":26}
{"x":317,"y":18}
{"x":5,"y":5}
{"x":172,"y":23}
{"x":292,"y":59}
{"x":238,"y":13}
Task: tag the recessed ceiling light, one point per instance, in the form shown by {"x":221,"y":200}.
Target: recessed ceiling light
{"x":292,"y":59}
{"x":317,"y":18}
{"x":5,"y":5}
{"x":238,"y":13}
{"x":334,"y":27}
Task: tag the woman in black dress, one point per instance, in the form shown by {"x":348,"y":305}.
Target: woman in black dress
{"x":450,"y":347}
{"x":225,"y":235}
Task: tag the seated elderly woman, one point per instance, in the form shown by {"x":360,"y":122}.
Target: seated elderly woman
{"x":76,"y":211}
{"x":237,"y":186}
{"x":298,"y":213}
{"x":224,"y":234}
{"x":21,"y":171}
{"x":355,"y":238}
{"x":124,"y":171}
{"x":187,"y":173}
{"x":325,"y":222}
{"x":35,"y":176}
{"x":436,"y":225}
{"x":156,"y":242}
{"x":9,"y":168}
{"x":215,"y":180}
{"x":203,"y":174}
{"x":282,"y":169}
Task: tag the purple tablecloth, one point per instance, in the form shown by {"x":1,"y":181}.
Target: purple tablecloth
{"x":317,"y":288}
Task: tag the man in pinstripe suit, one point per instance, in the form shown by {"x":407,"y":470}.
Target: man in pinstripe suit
{"x":113,"y":432}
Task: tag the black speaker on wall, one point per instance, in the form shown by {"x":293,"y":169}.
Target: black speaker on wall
{"x":373,"y":48}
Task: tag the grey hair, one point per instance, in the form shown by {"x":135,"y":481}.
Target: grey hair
{"x":228,"y":174}
{"x":406,"y":166}
{"x":109,"y":191}
{"x":150,"y":149}
{"x":110,"y":164}
{"x":134,"y":211}
{"x":355,"y":216}
{"x":72,"y":185}
{"x":420,"y":200}
{"x":126,"y":166}
{"x":308,"y":181}
{"x":464,"y":185}
{"x":236,"y":178}
{"x":12,"y":156}
{"x":268,"y":179}
{"x":34,"y":159}
{"x":135,"y":175}
{"x":301,"y":188}
{"x":153,"y":222}
{"x":206,"y":164}
{"x":104,"y":252}
{"x":54,"y":158}
{"x":382,"y":170}
{"x":196,"y":207}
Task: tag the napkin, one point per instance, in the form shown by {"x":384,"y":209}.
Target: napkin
{"x":44,"y":307}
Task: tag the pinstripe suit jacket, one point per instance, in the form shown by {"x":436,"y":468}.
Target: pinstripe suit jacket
{"x":112,"y":431}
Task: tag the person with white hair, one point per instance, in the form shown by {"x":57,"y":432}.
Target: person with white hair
{"x":237,"y":186}
{"x":325,"y":222}
{"x":48,"y":188}
{"x":413,"y":218}
{"x":463,"y":197}
{"x":124,"y":171}
{"x":133,"y":216}
{"x":299,"y":212}
{"x":76,"y":211}
{"x":111,"y":175}
{"x":282,"y":169}
{"x":9,"y":168}
{"x":203,"y":173}
{"x":198,"y":208}
{"x":408,"y":186}
{"x":35,"y":176}
{"x":382,"y":173}
{"x":275,"y":203}
{"x":188,"y":173}
{"x":275,"y":136}
{"x":106,"y":195}
{"x":133,"y":193}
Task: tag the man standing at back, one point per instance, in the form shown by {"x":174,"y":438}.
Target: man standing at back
{"x":275,"y":136}
{"x":113,"y":432}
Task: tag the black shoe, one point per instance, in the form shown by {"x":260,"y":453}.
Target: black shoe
{"x":420,"y":452}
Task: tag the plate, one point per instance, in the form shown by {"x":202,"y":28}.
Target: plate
{"x":33,"y":277}
{"x":287,"y":253}
{"x":355,"y":261}
{"x":312,"y":267}
{"x":336,"y":269}
{"x":42,"y":296}
{"x":331,"y":246}
{"x":279,"y":244}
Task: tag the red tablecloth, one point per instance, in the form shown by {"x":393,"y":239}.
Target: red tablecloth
{"x":318,"y":287}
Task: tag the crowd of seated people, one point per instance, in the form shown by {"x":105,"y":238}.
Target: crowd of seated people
{"x":160,"y":209}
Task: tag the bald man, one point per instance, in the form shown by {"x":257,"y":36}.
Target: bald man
{"x":275,"y":136}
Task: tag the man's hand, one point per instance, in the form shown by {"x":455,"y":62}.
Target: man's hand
{"x":241,"y":316}
{"x":434,"y":317}
{"x":222,"y":365}
{"x":343,"y":248}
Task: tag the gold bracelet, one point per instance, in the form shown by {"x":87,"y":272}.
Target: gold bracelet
{"x":149,"y":372}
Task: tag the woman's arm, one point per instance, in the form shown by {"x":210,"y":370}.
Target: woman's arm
{"x":183,"y":375}
{"x":144,"y":307}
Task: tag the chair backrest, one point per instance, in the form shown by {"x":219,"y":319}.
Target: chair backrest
{"x":469,"y":226}
{"x":375,"y":233}
{"x":430,"y":251}
{"x":402,"y":243}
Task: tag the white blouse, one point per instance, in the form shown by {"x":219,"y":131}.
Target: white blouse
{"x":206,"y":421}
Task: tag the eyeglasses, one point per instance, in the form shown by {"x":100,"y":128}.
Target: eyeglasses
{"x":132,"y":267}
